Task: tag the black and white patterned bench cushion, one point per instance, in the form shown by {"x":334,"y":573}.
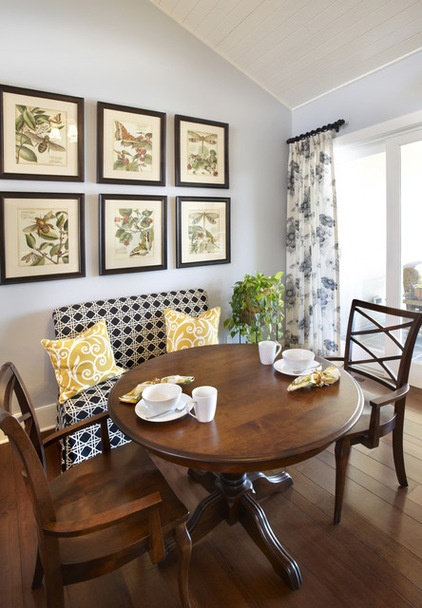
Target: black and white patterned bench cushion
{"x":137,"y":332}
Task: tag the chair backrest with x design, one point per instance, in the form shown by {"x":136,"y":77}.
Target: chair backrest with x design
{"x":380,"y":341}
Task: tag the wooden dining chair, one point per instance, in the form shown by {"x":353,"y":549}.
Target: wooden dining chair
{"x":98,"y":515}
{"x":378,"y":353}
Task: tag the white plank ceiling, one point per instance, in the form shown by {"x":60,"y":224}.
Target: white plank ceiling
{"x":298,"y":50}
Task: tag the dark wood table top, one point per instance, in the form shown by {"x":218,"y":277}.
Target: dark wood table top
{"x":258,"y":424}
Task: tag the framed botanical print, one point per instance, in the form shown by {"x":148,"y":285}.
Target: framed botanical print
{"x":201,"y":152}
{"x":130,"y":145}
{"x":202,"y":231}
{"x":42,"y":236}
{"x":41,"y":135}
{"x":133,"y":233}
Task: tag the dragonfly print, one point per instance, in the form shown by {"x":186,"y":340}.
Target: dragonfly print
{"x":202,"y":154}
{"x":203,"y":232}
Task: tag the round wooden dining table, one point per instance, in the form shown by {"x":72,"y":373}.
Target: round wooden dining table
{"x":258,"y":426}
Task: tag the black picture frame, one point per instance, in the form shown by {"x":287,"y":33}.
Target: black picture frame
{"x":133,"y":233}
{"x":201,"y":152}
{"x":41,"y":236}
{"x":131,"y":145}
{"x":202,"y":231}
{"x":41,"y":135}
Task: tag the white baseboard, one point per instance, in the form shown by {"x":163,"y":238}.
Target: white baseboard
{"x":46,"y":416}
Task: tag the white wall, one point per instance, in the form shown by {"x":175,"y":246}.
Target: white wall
{"x":382,"y":96}
{"x":129,"y":53}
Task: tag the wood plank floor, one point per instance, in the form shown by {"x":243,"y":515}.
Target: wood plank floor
{"x":372,"y":559}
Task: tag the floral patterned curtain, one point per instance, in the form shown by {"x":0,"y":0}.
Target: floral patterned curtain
{"x":312,"y":259}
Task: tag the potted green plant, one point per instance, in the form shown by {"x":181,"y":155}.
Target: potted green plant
{"x":257,"y":308}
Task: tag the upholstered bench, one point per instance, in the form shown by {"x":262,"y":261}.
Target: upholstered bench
{"x":136,"y":331}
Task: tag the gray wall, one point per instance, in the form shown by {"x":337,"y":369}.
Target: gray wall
{"x":130,"y":53}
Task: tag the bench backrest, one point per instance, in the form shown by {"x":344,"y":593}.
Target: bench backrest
{"x":135,"y":324}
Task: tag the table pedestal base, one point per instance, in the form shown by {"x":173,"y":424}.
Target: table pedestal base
{"x":232,"y":498}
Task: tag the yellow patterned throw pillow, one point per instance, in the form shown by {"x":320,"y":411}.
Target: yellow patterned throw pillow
{"x":83,"y":361}
{"x":184,"y":331}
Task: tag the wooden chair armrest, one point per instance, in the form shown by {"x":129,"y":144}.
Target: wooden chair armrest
{"x":376,"y":404}
{"x":390,"y":397}
{"x":103,"y":520}
{"x":79,"y":426}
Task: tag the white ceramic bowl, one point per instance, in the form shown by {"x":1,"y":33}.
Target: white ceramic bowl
{"x":298,"y":359}
{"x":161,"y":397}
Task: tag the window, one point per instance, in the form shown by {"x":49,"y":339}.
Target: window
{"x":379,"y":198}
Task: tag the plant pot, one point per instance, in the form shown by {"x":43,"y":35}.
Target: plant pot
{"x":248,"y":316}
{"x":256,"y":307}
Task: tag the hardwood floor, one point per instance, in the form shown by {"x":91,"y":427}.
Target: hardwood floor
{"x":373,"y":558}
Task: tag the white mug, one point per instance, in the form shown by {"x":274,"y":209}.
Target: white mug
{"x":268,"y":351}
{"x":204,"y":403}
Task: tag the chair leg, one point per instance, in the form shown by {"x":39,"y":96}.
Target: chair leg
{"x":342,"y":453}
{"x":54,"y":593}
{"x":398,"y":454}
{"x":53,"y":576}
{"x":38,"y":572}
{"x":184,"y":545}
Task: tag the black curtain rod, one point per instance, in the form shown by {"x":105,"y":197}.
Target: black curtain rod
{"x":331,"y":127}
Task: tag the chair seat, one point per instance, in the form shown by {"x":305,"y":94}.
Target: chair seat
{"x":362,"y":425}
{"x":96,"y":516}
{"x":371,"y":390}
{"x":113,"y":480}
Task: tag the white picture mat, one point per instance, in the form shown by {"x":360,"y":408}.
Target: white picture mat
{"x":118,"y":256}
{"x":218,"y":230}
{"x":185,"y":175}
{"x":15,"y":244}
{"x":69,"y":168}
